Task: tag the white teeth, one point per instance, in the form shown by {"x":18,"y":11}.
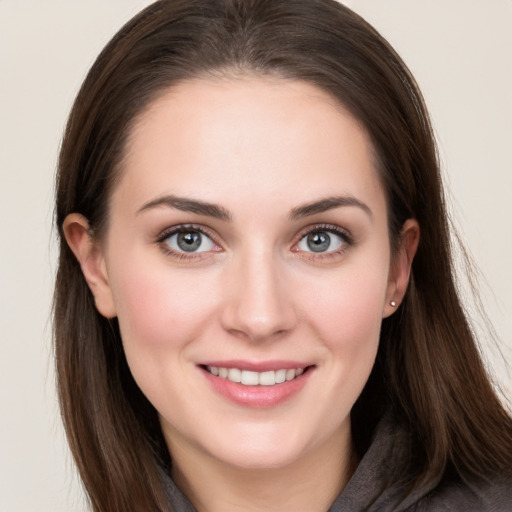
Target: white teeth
{"x":280,"y":376}
{"x":234,"y":375}
{"x":267,"y":378}
{"x":249,"y":378}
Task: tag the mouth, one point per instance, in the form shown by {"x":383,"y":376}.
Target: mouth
{"x":254,"y":378}
{"x":257,"y":385}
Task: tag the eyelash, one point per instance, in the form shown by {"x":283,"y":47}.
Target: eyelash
{"x":318,"y":228}
{"x":347,"y":238}
{"x":183,"y":228}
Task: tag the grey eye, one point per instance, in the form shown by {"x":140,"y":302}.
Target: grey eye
{"x":190,"y":241}
{"x":320,"y":241}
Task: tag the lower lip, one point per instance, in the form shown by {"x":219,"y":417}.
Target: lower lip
{"x":258,"y":397}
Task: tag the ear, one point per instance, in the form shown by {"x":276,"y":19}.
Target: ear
{"x":400,"y":268}
{"x":90,"y":256}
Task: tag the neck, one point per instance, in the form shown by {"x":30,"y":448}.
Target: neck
{"x":310,"y":483}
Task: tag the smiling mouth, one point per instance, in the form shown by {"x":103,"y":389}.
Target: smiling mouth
{"x":251,"y":378}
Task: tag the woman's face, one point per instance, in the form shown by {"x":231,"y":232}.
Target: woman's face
{"x":248,"y":239}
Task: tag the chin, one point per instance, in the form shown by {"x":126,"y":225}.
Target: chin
{"x":261,"y":448}
{"x":260,"y":460}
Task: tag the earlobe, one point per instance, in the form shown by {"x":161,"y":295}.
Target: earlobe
{"x":90,"y":256}
{"x":401,"y":265}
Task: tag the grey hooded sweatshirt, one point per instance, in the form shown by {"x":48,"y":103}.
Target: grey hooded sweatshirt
{"x":363,"y":493}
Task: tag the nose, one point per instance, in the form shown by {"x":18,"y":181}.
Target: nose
{"x":259,"y":305}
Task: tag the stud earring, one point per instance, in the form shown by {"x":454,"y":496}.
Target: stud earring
{"x":393,"y":304}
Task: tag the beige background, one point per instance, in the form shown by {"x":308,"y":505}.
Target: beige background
{"x":460,"y":52}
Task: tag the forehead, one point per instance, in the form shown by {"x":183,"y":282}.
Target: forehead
{"x":248,"y":138}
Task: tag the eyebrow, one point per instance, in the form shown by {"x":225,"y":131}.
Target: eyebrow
{"x":219,"y":212}
{"x":188,"y":205}
{"x":326,"y":204}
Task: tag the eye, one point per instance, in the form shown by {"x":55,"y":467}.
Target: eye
{"x":322,"y":241}
{"x":189,"y":241}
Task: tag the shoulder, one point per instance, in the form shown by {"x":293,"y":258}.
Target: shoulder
{"x":480,"y":496}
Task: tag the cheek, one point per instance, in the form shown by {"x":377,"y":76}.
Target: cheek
{"x":349,"y":307}
{"x":346,"y":314}
{"x":158,"y":309}
{"x":161,"y":315}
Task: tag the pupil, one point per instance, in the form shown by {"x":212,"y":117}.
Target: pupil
{"x":319,"y":242}
{"x":190,"y":241}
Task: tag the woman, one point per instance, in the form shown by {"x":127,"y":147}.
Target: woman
{"x":255,"y":307}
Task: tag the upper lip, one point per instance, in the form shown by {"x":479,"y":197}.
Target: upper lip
{"x":258,"y":366}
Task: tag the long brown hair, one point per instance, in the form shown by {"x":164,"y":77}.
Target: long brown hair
{"x":428,"y":369}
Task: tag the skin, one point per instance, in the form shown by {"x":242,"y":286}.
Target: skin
{"x":259,"y":149}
